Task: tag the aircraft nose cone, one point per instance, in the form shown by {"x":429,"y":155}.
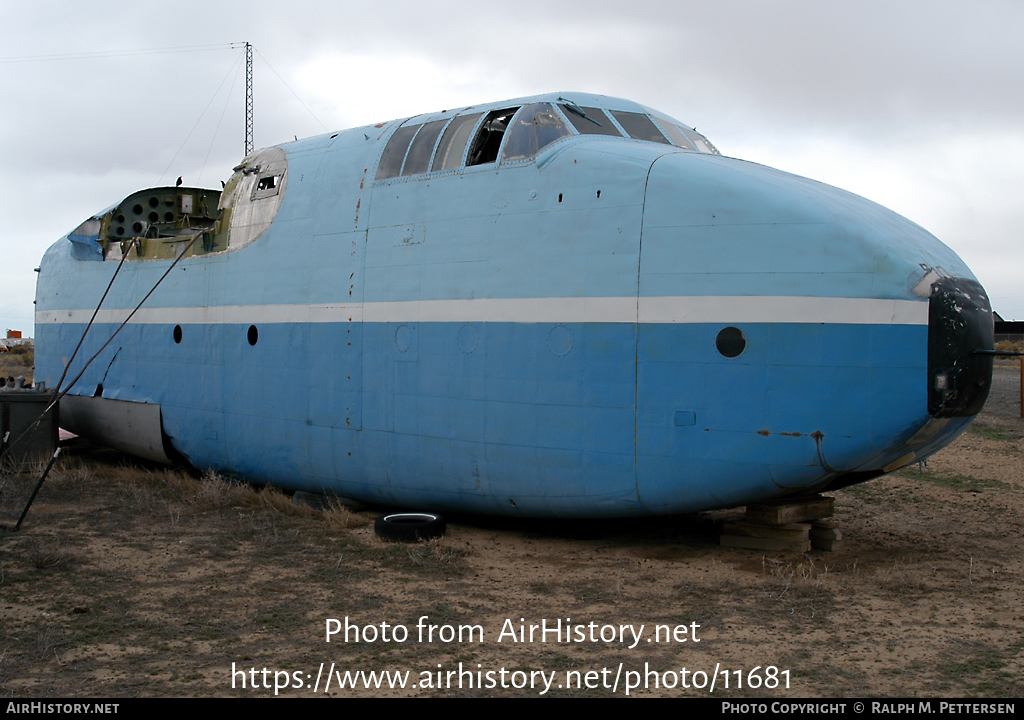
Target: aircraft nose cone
{"x":864,"y":335}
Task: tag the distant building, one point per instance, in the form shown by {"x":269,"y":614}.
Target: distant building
{"x":13,"y":338}
{"x":1008,"y":329}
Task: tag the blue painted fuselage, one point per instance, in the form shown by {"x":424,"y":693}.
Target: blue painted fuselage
{"x":608,"y":326}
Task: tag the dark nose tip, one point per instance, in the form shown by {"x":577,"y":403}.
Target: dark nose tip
{"x":960,"y":342}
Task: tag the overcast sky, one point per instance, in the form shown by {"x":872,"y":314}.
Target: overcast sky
{"x":916,"y":105}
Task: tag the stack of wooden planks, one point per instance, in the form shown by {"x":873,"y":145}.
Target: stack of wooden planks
{"x":793,"y":525}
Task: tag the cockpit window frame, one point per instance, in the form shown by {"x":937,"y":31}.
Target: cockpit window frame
{"x":389,"y":155}
{"x":467,"y":121}
{"x":440,"y":125}
{"x":517,"y":132}
{"x":597,"y":121}
{"x":268,"y":184}
{"x":456,"y":138}
{"x":699,"y":140}
{"x":674,"y":134}
{"x":486,"y":149}
{"x":621,"y":116}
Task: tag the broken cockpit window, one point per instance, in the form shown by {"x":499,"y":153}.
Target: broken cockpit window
{"x":488,"y":138}
{"x":86,"y":240}
{"x":534,"y":128}
{"x":267,"y":185}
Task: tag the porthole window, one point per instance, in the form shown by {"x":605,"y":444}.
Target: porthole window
{"x":177,"y":334}
{"x":253,"y":335}
{"x":731,"y":342}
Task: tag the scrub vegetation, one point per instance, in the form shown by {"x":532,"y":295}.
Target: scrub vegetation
{"x":131,"y":579}
{"x":18,"y":361}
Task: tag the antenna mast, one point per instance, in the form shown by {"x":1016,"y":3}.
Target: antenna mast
{"x":248,"y":99}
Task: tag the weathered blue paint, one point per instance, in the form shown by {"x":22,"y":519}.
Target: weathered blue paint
{"x":532,"y":338}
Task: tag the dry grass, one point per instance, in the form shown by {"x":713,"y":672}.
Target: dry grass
{"x":18,"y":361}
{"x":436,"y":556}
{"x":46,"y":554}
{"x":339,"y":517}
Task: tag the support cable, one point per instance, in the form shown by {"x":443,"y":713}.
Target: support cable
{"x":67,"y":365}
{"x":61,"y":394}
{"x":198,"y":120}
{"x":95,"y":312}
{"x":216,"y":130}
{"x":292,"y":91}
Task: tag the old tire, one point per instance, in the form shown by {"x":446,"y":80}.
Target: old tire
{"x":409,"y":527}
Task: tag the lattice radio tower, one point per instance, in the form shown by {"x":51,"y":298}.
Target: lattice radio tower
{"x":248,"y":99}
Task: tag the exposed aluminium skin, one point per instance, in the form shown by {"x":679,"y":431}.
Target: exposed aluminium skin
{"x":564,"y":305}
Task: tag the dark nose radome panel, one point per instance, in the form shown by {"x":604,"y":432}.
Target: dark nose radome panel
{"x":959,"y":326}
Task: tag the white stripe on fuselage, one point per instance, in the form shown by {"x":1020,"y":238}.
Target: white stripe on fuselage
{"x":732,"y":309}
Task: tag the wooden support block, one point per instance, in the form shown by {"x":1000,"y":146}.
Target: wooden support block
{"x":783,"y":512}
{"x":831,"y":524}
{"x":755,"y":543}
{"x":824,"y":544}
{"x":832,"y":534}
{"x":794,"y":532}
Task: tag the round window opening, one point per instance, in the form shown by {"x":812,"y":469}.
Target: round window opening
{"x":731,"y":342}
{"x":177,"y":333}
{"x":253,"y":335}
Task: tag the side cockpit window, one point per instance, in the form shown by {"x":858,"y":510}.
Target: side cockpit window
{"x":699,"y":141}
{"x":453,"y":142}
{"x":686,"y":138}
{"x":418,"y":159}
{"x":394,"y":153}
{"x":676,"y":136}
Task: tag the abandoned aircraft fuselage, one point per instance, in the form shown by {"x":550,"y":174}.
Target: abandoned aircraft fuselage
{"x":565,"y":305}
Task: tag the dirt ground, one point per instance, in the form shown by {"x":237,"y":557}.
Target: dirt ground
{"x":130,"y":580}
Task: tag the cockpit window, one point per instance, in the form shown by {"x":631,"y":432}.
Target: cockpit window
{"x":534,"y":127}
{"x":516,"y":133}
{"x":453,"y":142}
{"x":702,"y":143}
{"x":595,"y":122}
{"x":675,"y":135}
{"x":686,"y":138}
{"x":418,"y":159}
{"x":639,"y":126}
{"x":488,"y":138}
{"x":394,"y":153}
